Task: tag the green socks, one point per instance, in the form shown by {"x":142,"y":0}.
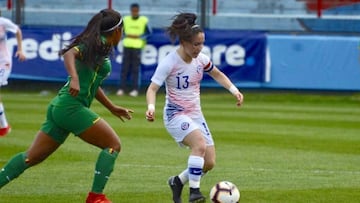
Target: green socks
{"x":104,"y":167}
{"x":13,"y":169}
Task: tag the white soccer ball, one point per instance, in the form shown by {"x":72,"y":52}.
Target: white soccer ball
{"x":225,"y":192}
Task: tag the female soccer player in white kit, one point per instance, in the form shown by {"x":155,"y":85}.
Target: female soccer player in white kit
{"x":6,"y":62}
{"x":182,"y":71}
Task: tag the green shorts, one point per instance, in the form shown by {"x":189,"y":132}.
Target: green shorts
{"x":63,"y":120}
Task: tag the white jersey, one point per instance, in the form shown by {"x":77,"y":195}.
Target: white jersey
{"x":182,"y":82}
{"x":5,"y":26}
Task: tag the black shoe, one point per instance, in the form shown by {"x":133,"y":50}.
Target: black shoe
{"x":176,"y":187}
{"x":196,"y":196}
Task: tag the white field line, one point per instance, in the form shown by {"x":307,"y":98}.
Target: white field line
{"x":265,"y":170}
{"x":317,"y":171}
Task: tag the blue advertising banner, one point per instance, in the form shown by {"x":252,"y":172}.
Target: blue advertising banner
{"x":240,"y":55}
{"x":314,"y":62}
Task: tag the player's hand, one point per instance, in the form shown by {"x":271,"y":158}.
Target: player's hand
{"x":240,"y":98}
{"x":74,"y":87}
{"x":150,"y":115}
{"x":122,"y":113}
{"x":20,"y":56}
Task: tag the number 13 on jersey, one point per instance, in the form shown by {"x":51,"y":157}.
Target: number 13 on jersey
{"x":182,"y":82}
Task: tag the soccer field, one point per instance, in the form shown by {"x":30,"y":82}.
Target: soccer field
{"x":278,"y":147}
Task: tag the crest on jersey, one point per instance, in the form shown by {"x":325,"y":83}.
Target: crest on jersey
{"x":198,"y":69}
{"x":185,"y":126}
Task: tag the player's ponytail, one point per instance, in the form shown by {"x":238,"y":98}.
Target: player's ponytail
{"x":183,"y":27}
{"x":91,"y":39}
{"x":95,"y":49}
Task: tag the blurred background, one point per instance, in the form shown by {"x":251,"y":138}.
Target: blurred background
{"x":268,"y":44}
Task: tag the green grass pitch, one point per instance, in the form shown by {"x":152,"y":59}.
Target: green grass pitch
{"x":278,"y":147}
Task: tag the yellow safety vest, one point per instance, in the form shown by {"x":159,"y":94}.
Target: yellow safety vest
{"x":134,"y":27}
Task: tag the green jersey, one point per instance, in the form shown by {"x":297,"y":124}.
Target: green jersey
{"x":90,"y":80}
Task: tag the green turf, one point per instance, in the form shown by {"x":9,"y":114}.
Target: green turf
{"x":279,"y":147}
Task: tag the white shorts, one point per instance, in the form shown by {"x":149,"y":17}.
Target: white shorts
{"x":180,"y":126}
{"x":5,"y":71}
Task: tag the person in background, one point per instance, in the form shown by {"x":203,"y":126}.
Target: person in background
{"x":136,"y":30}
{"x":7,"y":25}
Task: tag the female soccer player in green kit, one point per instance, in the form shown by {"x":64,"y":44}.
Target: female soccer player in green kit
{"x":87,"y":62}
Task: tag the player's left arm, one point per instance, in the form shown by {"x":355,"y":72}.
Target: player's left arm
{"x":118,"y":111}
{"x":148,"y":31}
{"x":223,"y":80}
{"x":19,"y":53}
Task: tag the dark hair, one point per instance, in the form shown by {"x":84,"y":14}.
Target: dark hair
{"x":134,"y":5}
{"x":102,"y":23}
{"x":183,"y":27}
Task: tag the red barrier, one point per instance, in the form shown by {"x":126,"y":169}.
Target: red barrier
{"x":313,"y":5}
{"x":214,"y":7}
{"x":110,"y":4}
{"x":9,"y":4}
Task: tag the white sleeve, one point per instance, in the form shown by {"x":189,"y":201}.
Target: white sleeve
{"x":9,"y":25}
{"x":162,"y":71}
{"x":206,"y":62}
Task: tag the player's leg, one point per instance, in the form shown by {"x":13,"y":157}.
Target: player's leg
{"x":193,"y":172}
{"x":136,"y":62}
{"x":187,"y":132}
{"x":40,"y":149}
{"x":88,"y":126}
{"x":4,"y":125}
{"x":210,"y":155}
{"x":5,"y":70}
{"x":104,"y":137}
{"x":209,"y":158}
{"x":209,"y":163}
{"x":197,"y":143}
{"x":125,"y":68}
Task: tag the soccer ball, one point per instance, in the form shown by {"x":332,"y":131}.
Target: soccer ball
{"x":225,"y":192}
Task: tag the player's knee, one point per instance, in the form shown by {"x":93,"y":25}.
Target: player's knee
{"x":199,"y":149}
{"x":116,"y":146}
{"x":32,"y":161}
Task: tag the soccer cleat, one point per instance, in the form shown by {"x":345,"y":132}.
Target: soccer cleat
{"x":5,"y":131}
{"x":134,"y":93}
{"x":97,"y":198}
{"x":176,"y":187}
{"x":120,"y":92}
{"x":196,"y":196}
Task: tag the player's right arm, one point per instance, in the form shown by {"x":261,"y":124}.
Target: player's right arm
{"x":151,"y":99}
{"x":69,"y":62}
{"x":161,"y":73}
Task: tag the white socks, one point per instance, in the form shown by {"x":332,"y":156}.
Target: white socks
{"x":195,"y":166}
{"x":184,"y":176}
{"x":3,"y":121}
